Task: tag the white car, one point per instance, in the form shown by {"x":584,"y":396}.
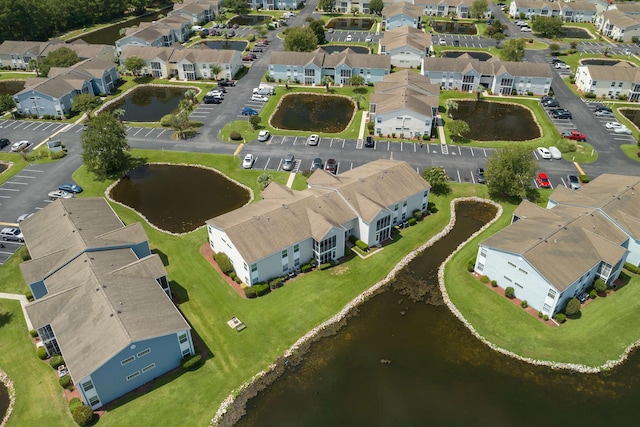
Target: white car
{"x":25,"y":216}
{"x":525,"y":29}
{"x":247,"y":162}
{"x":623,"y":129}
{"x":543,"y":153}
{"x":520,"y":23}
{"x":313,"y":139}
{"x":19,"y":146}
{"x":259,"y":98}
{"x":263,"y":135}
{"x":613,"y":125}
{"x":368,"y":39}
{"x":59,"y":194}
{"x":349,"y":38}
{"x":561,"y":66}
{"x":442,"y":42}
{"x":604,"y":113}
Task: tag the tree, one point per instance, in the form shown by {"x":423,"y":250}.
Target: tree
{"x":264,"y":180}
{"x":190,"y":94}
{"x":261,"y":30}
{"x":498,"y":38}
{"x":239,"y":7}
{"x":255,"y":121}
{"x":458,"y":128}
{"x":450,"y":105}
{"x":134,"y":64}
{"x":573,"y":307}
{"x":327,"y":81}
{"x":118,"y":113}
{"x":327,"y":5}
{"x":554,"y":48}
{"x":510,"y":171}
{"x":356,"y":80}
{"x":479,"y":9}
{"x":185,"y":106}
{"x":180,"y":123}
{"x":318,"y":29}
{"x":6,"y":103}
{"x":438,"y":179}
{"x":104,"y":146}
{"x":62,"y":57}
{"x":600,"y":286}
{"x":479,"y":90}
{"x":376,"y":6}
{"x":354,"y":10}
{"x":300,"y":39}
{"x":84,"y":103}
{"x":547,"y":26}
{"x":215,"y":70}
{"x":513,"y":50}
{"x":358,"y":98}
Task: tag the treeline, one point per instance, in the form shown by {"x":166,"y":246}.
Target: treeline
{"x":42,"y":19}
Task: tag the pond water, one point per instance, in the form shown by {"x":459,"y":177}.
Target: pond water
{"x":4,"y":400}
{"x":632,"y":114}
{"x":178,"y":198}
{"x":250,"y":19}
{"x":109,"y":35}
{"x":497,"y":121}
{"x":3,"y":167}
{"x":149,"y":103}
{"x":574,"y":33}
{"x":482,"y":56}
{"x":454,"y":27}
{"x":351,"y":23}
{"x":335,"y":48}
{"x":311,"y":112}
{"x":11,"y":87}
{"x":227,"y":45}
{"x":439,"y":375}
{"x":609,"y":62}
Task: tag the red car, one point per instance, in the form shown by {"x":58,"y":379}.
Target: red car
{"x":247,"y":58}
{"x":543,"y":180}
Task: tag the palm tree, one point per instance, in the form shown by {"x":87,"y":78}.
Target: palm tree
{"x":180,"y":123}
{"x":119,"y":112}
{"x":479,"y":91}
{"x":451,"y":105}
{"x":215,"y":70}
{"x":185,"y":105}
{"x":191,"y":95}
{"x":327,"y":80}
{"x":358,"y":98}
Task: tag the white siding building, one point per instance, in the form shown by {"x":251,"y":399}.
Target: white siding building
{"x":609,"y":81}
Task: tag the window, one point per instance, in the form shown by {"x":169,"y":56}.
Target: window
{"x":183,"y":338}
{"x":296,"y":248}
{"x":127,"y":360}
{"x":523,"y":271}
{"x":508,"y":279}
{"x":94,"y":400}
{"x":426,"y":193}
{"x":246,"y":267}
{"x":144,"y":352}
{"x":148,"y":368}
{"x":511,"y":264}
{"x":254,"y":268}
{"x":132,"y":376}
{"x":395,"y":208}
{"x":87,"y":386}
{"x":284,"y":253}
{"x":483,"y":252}
{"x":620,"y":84}
{"x":185,"y":352}
{"x":613,"y":84}
{"x":519,"y":285}
{"x":480,"y":266}
{"x":546,"y":308}
{"x":551,"y":294}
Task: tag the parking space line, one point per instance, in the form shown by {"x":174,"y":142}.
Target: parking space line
{"x":8,"y":189}
{"x":388,"y":145}
{"x":401,"y":145}
{"x":267,"y":165}
{"x":16,"y":183}
{"x":138,"y":131}
{"x":459,"y":150}
{"x":343,"y":141}
{"x":149,"y":133}
{"x":163,"y":131}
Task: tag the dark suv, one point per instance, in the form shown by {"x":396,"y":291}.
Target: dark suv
{"x":368,"y":142}
{"x":561,"y":114}
{"x":601,"y":107}
{"x":4,"y":142}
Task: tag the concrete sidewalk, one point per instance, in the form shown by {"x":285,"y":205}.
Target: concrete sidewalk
{"x":23,"y":302}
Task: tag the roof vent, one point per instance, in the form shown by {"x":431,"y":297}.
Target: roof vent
{"x":97,"y":289}
{"x":285,"y":206}
{"x":110,"y":314}
{"x":555,"y":240}
{"x":119,"y":312}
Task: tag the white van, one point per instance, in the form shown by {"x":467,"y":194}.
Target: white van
{"x":555,"y":153}
{"x":196,"y":28}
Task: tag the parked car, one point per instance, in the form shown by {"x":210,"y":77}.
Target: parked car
{"x":226,"y":83}
{"x":626,"y":51}
{"x":623,"y":129}
{"x":573,"y":182}
{"x":330,"y":30}
{"x":70,"y":187}
{"x":259,"y":98}
{"x":288,"y":162}
{"x":248,"y":58}
{"x":368,"y":142}
{"x":246,"y":111}
{"x":561,"y":66}
{"x":456,"y":43}
{"x":59,"y":194}
{"x":349,"y":38}
{"x":368,"y":39}
{"x":316,"y":164}
{"x":25,"y":216}
{"x":480,"y":176}
{"x":20,"y":146}
{"x":613,"y":125}
{"x":555,"y":153}
{"x":604,"y":113}
{"x":543,"y":180}
{"x":331,"y":166}
{"x":313,"y":139}
{"x":263,"y":135}
{"x":4,"y":142}
{"x":562,"y":114}
{"x":442,"y":42}
{"x":520,"y":23}
{"x":211,"y":100}
{"x":525,"y":29}
{"x":575,"y":135}
{"x":236,"y":26}
{"x":583,"y":297}
{"x":545,"y":98}
{"x":247,"y":162}
{"x":551,"y":103}
{"x":601,"y":107}
{"x":12,"y":233}
{"x":543,"y":153}
{"x":257,"y":49}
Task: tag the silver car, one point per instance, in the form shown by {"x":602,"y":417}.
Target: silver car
{"x":573,"y":182}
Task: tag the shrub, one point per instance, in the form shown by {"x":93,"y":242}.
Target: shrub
{"x":632,"y":268}
{"x":235,"y":136}
{"x":353,"y":239}
{"x":584,"y":178}
{"x":325,"y":266}
{"x":65,"y":381}
{"x":276,"y":283}
{"x":223,"y":262}
{"x":33,"y":333}
{"x":232,"y":275}
{"x":191,"y":362}
{"x":237,"y":280}
{"x":41,"y":352}
{"x":261,"y":289}
{"x":412,"y":221}
{"x":425,"y":137}
{"x":74,"y":403}
{"x":362,"y":245}
{"x":494,"y":283}
{"x":56,"y":361}
{"x":590,"y":95}
{"x":593,"y":294}
{"x":509,"y":292}
{"x":305,"y":268}
{"x":485,"y":279}
{"x":600,"y":286}
{"x":471,"y":264}
{"x":251,"y":37}
{"x":540,"y":314}
{"x":83,"y":415}
{"x":545,"y":317}
{"x":370,"y":126}
{"x":573,"y":307}
{"x":560,"y":318}
{"x":249,"y":292}
{"x":165,"y":121}
{"x":524,"y":304}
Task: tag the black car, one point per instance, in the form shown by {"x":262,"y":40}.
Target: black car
{"x":562,"y":114}
{"x":211,"y":100}
{"x":226,"y":83}
{"x":545,"y":98}
{"x":552,"y":103}
{"x":480,"y":176}
{"x":369,"y":142}
{"x":601,"y":107}
{"x":4,"y":142}
{"x":456,"y":43}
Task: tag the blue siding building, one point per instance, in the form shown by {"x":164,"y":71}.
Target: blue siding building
{"x":102,"y":299}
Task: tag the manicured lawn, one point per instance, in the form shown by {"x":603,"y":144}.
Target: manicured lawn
{"x":631,"y":150}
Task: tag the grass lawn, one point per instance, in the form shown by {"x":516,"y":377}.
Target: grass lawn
{"x":631,"y":150}
{"x":18,"y":164}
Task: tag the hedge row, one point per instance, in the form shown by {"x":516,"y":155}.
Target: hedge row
{"x":223,"y":262}
{"x":632,"y":268}
{"x":362,"y":245}
{"x":191,"y":362}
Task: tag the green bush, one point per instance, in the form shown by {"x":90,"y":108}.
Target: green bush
{"x":471,"y":264}
{"x":417,"y":214}
{"x":412,"y":221}
{"x":65,"y":381}
{"x":425,"y":137}
{"x":632,"y":268}
{"x":540,"y":314}
{"x":56,"y":361}
{"x":235,"y":136}
{"x":191,"y":362}
{"x":485,"y":279}
{"x":237,"y":280}
{"x":41,"y":352}
{"x":593,"y":294}
{"x":83,"y":415}
{"x":74,"y":403}
{"x":600,"y":286}
{"x":33,"y":333}
{"x":584,"y":178}
{"x":353,"y":239}
{"x":524,"y":304}
{"x":590,"y":95}
{"x":560,"y":317}
{"x":223,"y":262}
{"x":566,"y":146}
{"x":545,"y":317}
{"x":251,"y":37}
{"x":362,"y":245}
{"x":232,"y":275}
{"x":494,"y":283}
{"x":573,"y":307}
{"x":305,"y":268}
{"x":325,"y":266}
{"x":261,"y":289}
{"x":276,"y":283}
{"x":249,"y":292}
{"x":166,"y":120}
{"x":509,"y":292}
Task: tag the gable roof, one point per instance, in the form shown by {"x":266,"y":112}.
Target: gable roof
{"x":321,"y":58}
{"x":406,"y":35}
{"x":492,"y":67}
{"x":402,"y":8}
{"x":620,"y":71}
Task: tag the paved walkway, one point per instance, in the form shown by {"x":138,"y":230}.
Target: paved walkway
{"x":23,"y":302}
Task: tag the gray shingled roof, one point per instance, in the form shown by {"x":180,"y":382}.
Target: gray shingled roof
{"x":621,"y":71}
{"x":323,"y":59}
{"x":402,"y":8}
{"x":487,"y":67}
{"x":406,"y":36}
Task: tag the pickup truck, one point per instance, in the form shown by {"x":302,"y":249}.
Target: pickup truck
{"x":575,"y":135}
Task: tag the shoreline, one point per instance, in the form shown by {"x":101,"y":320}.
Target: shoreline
{"x":4,"y":378}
